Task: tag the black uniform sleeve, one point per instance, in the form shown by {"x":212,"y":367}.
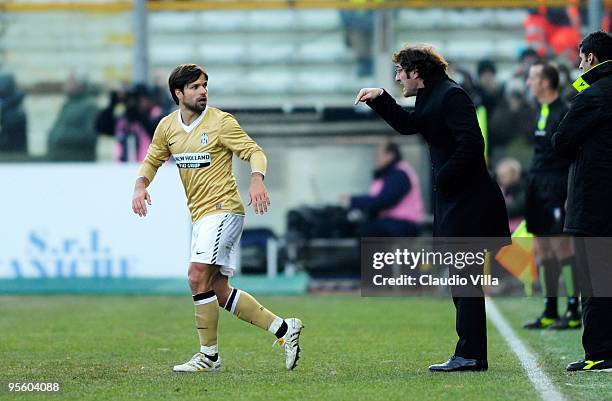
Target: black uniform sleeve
{"x":399,"y":119}
{"x":577,"y":125}
{"x":469,"y":152}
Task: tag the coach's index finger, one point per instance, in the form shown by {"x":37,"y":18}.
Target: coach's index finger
{"x":366,"y":94}
{"x":359,"y":97}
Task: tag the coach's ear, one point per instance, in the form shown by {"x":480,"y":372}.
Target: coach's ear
{"x":414,"y":74}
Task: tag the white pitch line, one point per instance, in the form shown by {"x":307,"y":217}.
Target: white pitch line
{"x":528,"y":359}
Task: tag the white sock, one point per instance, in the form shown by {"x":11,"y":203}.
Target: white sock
{"x":209,"y":350}
{"x":275,"y":325}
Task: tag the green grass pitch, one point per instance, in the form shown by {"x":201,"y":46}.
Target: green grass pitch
{"x":123,"y":348}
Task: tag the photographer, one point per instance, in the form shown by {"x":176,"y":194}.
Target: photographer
{"x":134,"y":131}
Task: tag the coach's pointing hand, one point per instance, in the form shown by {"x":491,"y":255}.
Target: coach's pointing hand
{"x":141,"y":197}
{"x":367,"y":94}
{"x":258,"y":195}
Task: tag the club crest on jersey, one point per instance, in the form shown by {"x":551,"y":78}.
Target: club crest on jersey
{"x":204,"y":139}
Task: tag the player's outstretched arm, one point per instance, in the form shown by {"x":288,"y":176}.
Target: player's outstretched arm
{"x":141,"y":197}
{"x":368,"y":94}
{"x":258,"y":194}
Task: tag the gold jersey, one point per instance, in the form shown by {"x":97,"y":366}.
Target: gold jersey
{"x":203,"y":154}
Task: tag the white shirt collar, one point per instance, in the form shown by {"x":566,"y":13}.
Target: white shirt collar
{"x":194,"y":123}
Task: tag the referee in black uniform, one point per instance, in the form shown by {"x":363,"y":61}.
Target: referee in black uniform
{"x":545,"y":202}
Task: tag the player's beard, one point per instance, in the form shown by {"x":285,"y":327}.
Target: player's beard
{"x":196,"y":106}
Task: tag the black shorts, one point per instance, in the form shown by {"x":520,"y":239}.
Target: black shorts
{"x":545,"y":203}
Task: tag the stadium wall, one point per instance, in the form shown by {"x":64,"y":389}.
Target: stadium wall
{"x":69,"y":228}
{"x":75,"y":220}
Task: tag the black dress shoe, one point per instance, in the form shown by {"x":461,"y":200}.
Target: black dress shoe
{"x":458,"y":364}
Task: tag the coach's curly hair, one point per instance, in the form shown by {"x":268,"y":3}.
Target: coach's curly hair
{"x":421,"y":58}
{"x":182,"y":75}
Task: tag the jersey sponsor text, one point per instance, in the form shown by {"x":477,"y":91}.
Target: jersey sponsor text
{"x":192,"y":160}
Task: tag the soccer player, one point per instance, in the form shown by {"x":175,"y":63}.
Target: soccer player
{"x":202,"y":140}
{"x":545,"y":199}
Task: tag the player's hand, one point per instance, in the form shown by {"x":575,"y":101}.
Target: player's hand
{"x":139,"y":201}
{"x":368,"y":94}
{"x":258,"y":194}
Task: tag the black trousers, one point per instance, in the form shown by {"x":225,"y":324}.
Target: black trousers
{"x":597,"y":334}
{"x":594,"y":266}
{"x":470,"y":318}
{"x":471,"y":326}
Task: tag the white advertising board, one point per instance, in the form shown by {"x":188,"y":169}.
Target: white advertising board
{"x":76,"y":220}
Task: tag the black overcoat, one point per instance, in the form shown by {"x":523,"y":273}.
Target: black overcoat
{"x":467,"y":202}
{"x":585,"y":137}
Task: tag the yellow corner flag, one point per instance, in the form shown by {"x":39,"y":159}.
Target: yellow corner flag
{"x":519,"y":258}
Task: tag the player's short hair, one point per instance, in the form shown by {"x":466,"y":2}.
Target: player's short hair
{"x":599,"y":43}
{"x":182,"y":75}
{"x":550,"y":73}
{"x":422,"y":58}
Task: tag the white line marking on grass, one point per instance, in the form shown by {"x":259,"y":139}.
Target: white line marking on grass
{"x":528,"y":359}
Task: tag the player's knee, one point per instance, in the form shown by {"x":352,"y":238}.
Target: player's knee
{"x":193,"y":281}
{"x":198,"y":277}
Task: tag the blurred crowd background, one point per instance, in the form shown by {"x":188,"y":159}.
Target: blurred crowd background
{"x":86,"y":81}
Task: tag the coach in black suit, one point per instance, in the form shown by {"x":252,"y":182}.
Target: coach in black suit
{"x":467,"y":202}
